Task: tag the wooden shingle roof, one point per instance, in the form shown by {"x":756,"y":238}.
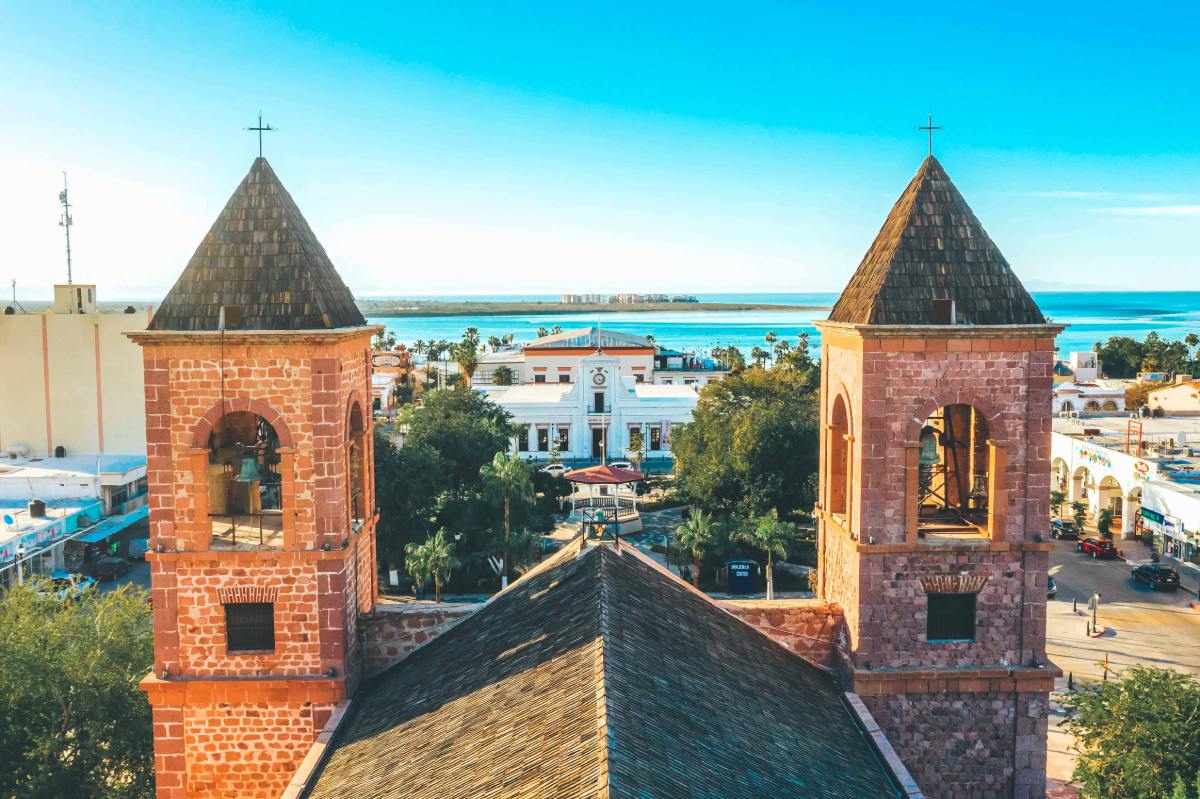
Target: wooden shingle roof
{"x":262,"y":257}
{"x":932,"y":247}
{"x":601,"y":676}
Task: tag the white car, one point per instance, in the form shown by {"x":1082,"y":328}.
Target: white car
{"x":620,"y":464}
{"x":556,"y":469}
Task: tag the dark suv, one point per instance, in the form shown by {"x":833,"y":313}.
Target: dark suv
{"x":1097,"y":547}
{"x":1157,"y":576}
{"x":1063,"y":529}
{"x":110,"y":567}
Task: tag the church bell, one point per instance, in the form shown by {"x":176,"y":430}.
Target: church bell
{"x":253,"y":472}
{"x":929,"y":448}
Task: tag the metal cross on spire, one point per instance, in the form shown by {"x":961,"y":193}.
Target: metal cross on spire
{"x":261,"y":127}
{"x":929,"y":126}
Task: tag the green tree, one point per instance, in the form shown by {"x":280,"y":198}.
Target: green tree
{"x":752,"y":444}
{"x":697,"y":536}
{"x":509,"y":479}
{"x":1104,"y":520}
{"x":72,"y":720}
{"x":556,"y":329}
{"x":466,"y":353}
{"x":759,"y":355}
{"x":503,"y":376}
{"x":431,"y":561}
{"x":494,"y":342}
{"x":636,"y":448}
{"x":385,"y":340}
{"x":542,"y":332}
{"x":464,"y":428}
{"x":1079,"y":513}
{"x":1135,"y":735}
{"x":1057,"y":500}
{"x":1120,"y":356}
{"x":770,"y":535}
{"x":408,"y":484}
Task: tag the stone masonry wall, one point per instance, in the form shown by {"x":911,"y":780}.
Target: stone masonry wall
{"x":808,"y":627}
{"x":961,"y":745}
{"x":393,"y":631}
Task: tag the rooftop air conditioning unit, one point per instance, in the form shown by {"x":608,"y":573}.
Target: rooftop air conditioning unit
{"x":1074,"y":414}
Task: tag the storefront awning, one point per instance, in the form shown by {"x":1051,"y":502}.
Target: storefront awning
{"x":111,"y":525}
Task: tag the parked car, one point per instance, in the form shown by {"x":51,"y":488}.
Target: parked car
{"x":138,"y":547}
{"x":1097,"y":547}
{"x":1064,"y":529}
{"x":110,"y":567}
{"x":620,"y":464}
{"x":1051,"y":588}
{"x":63,"y":585}
{"x":1157,"y":576}
{"x":556,"y":469}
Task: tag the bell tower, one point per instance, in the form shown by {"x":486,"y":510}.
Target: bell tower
{"x":262,"y":514}
{"x":934,"y":500}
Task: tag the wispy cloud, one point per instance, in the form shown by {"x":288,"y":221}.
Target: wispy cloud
{"x":1135,"y":197}
{"x":1153,"y":210}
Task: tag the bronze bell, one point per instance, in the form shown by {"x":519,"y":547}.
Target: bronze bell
{"x":252,"y":472}
{"x":929,"y":448}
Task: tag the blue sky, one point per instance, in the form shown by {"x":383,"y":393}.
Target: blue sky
{"x":545,"y":147}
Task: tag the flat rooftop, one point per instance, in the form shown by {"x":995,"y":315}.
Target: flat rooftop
{"x":114,"y":469}
{"x":1167,"y":441}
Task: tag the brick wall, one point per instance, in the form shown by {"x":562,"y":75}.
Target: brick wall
{"x":393,"y":631}
{"x":961,"y":745}
{"x":808,"y":627}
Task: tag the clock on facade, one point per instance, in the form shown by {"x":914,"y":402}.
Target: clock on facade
{"x":598,"y":377}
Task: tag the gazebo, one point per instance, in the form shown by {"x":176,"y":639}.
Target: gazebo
{"x":609,"y":502}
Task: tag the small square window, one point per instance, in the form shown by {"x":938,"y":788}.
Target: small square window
{"x":951,"y":618}
{"x":564,"y":378}
{"x":250,"y":627}
{"x":539,"y":378}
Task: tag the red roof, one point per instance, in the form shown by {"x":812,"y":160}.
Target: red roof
{"x":603,"y":475}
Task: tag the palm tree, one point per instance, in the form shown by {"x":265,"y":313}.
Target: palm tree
{"x":759,"y":355}
{"x":432,"y":560}
{"x":697,"y":535}
{"x":542,"y":332}
{"x":771,"y":536}
{"x":770,"y":338}
{"x":494,"y":342}
{"x":508,"y":478}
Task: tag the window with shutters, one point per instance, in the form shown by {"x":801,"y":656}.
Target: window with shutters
{"x":951,"y":618}
{"x":250,"y":627}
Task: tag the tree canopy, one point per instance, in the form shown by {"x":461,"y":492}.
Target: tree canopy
{"x":1123,"y":356}
{"x":752,"y":445}
{"x":1136,"y":735}
{"x":73,"y":724}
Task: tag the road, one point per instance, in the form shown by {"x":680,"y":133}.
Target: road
{"x":1139,"y":625}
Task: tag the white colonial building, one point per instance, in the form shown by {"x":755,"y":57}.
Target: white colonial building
{"x":587,"y":393}
{"x":1089,"y":397}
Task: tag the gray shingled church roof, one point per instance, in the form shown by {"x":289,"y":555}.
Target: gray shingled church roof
{"x":262,"y":256}
{"x":933,"y":247}
{"x":601,"y":676}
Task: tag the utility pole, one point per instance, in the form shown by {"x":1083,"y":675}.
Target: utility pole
{"x":65,"y":221}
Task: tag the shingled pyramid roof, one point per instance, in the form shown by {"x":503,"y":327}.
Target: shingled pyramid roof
{"x":601,"y":676}
{"x":260,"y":255}
{"x":933,"y":247}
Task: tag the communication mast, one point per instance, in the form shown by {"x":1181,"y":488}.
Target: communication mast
{"x":65,"y":221}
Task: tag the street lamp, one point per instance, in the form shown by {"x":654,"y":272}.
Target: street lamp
{"x":20,"y":556}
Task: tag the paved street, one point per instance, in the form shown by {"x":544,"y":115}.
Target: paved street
{"x":1139,"y":625}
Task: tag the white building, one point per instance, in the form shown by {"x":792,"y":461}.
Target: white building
{"x":47,"y":502}
{"x":1090,"y":397}
{"x":1085,"y":366}
{"x":1146,"y":470}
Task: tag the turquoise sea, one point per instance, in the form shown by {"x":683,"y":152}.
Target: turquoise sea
{"x":1091,"y":316}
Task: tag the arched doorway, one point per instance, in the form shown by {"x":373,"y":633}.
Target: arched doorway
{"x":356,"y":481}
{"x":1067,"y":406}
{"x":1091,"y":406}
{"x":1109,"y":405}
{"x":1109,"y":495}
{"x":1132,"y":512}
{"x":1082,"y":483}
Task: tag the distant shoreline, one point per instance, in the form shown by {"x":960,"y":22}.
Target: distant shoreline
{"x":391,"y":308}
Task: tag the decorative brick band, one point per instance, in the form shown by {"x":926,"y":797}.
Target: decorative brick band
{"x":247,"y":593}
{"x":953,"y":583}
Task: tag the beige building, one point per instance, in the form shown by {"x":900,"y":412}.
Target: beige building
{"x":70,"y":378}
{"x":1180,"y":398}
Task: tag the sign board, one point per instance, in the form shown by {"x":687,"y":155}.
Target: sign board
{"x":386,"y":359}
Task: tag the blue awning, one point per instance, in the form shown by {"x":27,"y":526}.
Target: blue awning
{"x":111,"y":525}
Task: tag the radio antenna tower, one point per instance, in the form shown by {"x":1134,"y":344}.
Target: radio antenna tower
{"x":65,"y":221}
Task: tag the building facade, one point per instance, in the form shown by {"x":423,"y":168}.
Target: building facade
{"x":1180,"y":398}
{"x":260,"y":467}
{"x":935,"y":400}
{"x":70,"y":378}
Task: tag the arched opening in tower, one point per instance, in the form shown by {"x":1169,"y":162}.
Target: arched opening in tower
{"x":356,"y":483}
{"x":244,"y":500}
{"x":954,"y":469}
{"x":839,"y":429}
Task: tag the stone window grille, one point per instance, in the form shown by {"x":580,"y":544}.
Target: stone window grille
{"x":250,"y":627}
{"x":951,"y":617}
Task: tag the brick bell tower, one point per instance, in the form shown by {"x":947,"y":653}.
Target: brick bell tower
{"x":262,"y":542}
{"x":934,"y":502}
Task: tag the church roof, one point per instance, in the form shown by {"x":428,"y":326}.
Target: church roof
{"x":261,"y":256}
{"x":601,"y":676}
{"x":588,"y":337}
{"x":932,"y":247}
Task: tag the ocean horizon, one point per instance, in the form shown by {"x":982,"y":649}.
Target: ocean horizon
{"x":1091,"y":316}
